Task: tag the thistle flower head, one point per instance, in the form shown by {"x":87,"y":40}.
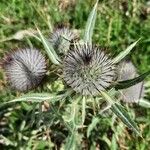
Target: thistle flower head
{"x":128,"y":71}
{"x":60,"y":39}
{"x":24,"y":68}
{"x":87,"y":69}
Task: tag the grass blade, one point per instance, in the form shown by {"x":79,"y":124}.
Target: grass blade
{"x":90,"y":24}
{"x":49,"y":49}
{"x":128,"y":83}
{"x":124,"y":53}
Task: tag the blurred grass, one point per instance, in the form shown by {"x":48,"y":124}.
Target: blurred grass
{"x":118,"y":24}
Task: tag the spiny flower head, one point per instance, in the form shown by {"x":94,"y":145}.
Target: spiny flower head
{"x":60,"y":39}
{"x":87,"y":69}
{"x":24,"y":68}
{"x":128,"y":71}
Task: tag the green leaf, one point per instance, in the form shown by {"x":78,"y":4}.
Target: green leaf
{"x":36,"y":97}
{"x":114,"y":145}
{"x":93,"y":124}
{"x":124,"y":53}
{"x":49,"y":49}
{"x":121,"y":113}
{"x":107,"y":97}
{"x":128,"y":83}
{"x":7,"y":141}
{"x":90,"y":24}
{"x":83,"y":110}
{"x":73,"y":115}
{"x":71,"y":143}
{"x":144,"y":103}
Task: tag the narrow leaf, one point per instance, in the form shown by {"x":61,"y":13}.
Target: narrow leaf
{"x":49,"y":49}
{"x":83,"y":110}
{"x":114,"y":145}
{"x":6,"y":141}
{"x":71,"y":142}
{"x":128,"y":83}
{"x":36,"y":97}
{"x":124,"y":53}
{"x":107,"y":97}
{"x":121,"y":113}
{"x":144,"y":103}
{"x":90,"y":24}
{"x":93,"y":124}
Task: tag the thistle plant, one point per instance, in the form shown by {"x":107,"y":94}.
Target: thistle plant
{"x":89,"y":77}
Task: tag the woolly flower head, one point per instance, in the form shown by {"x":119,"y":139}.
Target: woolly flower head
{"x":88,"y":70}
{"x":126,"y":71}
{"x":24,"y":68}
{"x":60,"y":39}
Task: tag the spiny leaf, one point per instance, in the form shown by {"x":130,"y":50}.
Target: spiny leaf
{"x":124,"y":53}
{"x":121,"y":113}
{"x":49,"y":49}
{"x":128,"y":83}
{"x":107,"y":97}
{"x":36,"y":97}
{"x":90,"y":24}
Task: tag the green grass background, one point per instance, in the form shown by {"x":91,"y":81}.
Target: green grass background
{"x":118,"y":24}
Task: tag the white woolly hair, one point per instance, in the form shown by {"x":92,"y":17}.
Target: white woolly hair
{"x":25,"y":68}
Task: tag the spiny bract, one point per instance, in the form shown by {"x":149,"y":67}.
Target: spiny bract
{"x":24,"y":68}
{"x":87,"y":69}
